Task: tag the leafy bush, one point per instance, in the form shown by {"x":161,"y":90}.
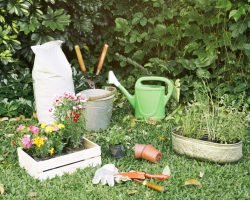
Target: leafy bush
{"x":191,"y":40}
{"x":16,"y":97}
{"x":25,"y":23}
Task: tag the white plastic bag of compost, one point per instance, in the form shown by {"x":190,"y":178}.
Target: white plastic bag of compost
{"x":52,"y":77}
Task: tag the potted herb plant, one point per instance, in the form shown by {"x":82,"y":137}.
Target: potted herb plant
{"x":47,"y":150}
{"x":116,"y":139}
{"x":210,"y":131}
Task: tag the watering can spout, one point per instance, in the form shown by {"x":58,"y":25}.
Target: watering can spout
{"x":113,"y":80}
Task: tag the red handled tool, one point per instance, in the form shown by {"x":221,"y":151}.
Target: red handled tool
{"x":141,"y":176}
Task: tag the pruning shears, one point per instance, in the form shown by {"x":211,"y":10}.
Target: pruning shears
{"x":91,"y":80}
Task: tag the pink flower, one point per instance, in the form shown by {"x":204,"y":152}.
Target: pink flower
{"x":20,"y":127}
{"x":26,"y":141}
{"x":34,"y":129}
{"x":55,"y":128}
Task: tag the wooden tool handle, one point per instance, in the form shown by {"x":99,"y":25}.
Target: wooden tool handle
{"x":101,"y":60}
{"x":151,"y":185}
{"x":80,"y":59}
{"x":155,"y":186}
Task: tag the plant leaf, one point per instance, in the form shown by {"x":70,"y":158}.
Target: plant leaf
{"x":1,"y":189}
{"x":166,"y":171}
{"x":193,"y":182}
{"x":132,"y":122}
{"x":151,"y":121}
{"x":236,"y":14}
{"x":4,"y":119}
{"x":32,"y":194}
{"x":201,"y":174}
{"x":224,"y":4}
{"x":132,"y":192}
{"x":34,"y":115}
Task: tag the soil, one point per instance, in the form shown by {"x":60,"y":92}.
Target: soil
{"x":66,"y":150}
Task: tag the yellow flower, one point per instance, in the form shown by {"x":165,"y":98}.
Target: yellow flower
{"x":52,"y":151}
{"x":49,"y":129}
{"x":38,"y":141}
{"x":43,"y":125}
{"x":60,"y":126}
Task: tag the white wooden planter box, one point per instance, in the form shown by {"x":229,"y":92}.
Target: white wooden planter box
{"x":90,"y":156}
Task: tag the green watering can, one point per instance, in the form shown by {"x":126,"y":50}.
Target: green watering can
{"x":149,"y":101}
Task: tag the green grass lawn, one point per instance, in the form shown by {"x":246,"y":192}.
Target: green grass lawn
{"x":229,"y":181}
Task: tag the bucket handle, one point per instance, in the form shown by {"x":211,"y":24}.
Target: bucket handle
{"x":158,"y":78}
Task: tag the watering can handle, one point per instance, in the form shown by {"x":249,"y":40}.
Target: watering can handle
{"x":157,"y":78}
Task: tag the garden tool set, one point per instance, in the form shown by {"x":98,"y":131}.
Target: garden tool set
{"x":91,"y":80}
{"x":140,"y":177}
{"x":108,"y":174}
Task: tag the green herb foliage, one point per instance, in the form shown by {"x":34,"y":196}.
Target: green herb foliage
{"x":217,"y":122}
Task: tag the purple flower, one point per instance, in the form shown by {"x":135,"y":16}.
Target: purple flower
{"x":26,"y":141}
{"x":34,"y":129}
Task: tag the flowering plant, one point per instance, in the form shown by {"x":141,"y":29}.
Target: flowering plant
{"x":42,"y":141}
{"x":69,"y":110}
{"x":45,"y":140}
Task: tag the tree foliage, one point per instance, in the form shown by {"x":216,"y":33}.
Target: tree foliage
{"x":192,"y":40}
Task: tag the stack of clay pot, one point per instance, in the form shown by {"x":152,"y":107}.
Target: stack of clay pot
{"x":147,"y":152}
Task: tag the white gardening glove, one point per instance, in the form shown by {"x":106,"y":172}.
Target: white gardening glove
{"x":105,"y":175}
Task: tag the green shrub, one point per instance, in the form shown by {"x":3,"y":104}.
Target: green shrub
{"x":24,"y":23}
{"x":192,"y":40}
{"x":16,"y":96}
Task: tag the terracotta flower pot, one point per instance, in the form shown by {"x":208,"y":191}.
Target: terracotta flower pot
{"x":138,"y":148}
{"x":147,"y":152}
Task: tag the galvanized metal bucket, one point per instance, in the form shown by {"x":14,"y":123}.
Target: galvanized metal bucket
{"x":98,"y":108}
